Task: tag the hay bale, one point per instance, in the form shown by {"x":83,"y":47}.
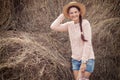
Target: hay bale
{"x":21,"y":58}
{"x":30,"y":50}
{"x":106,"y":46}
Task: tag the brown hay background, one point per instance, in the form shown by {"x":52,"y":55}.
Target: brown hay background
{"x":30,"y":50}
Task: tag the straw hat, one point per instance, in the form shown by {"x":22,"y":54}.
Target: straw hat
{"x":80,"y":5}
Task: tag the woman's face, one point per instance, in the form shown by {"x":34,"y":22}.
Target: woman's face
{"x":74,"y":14}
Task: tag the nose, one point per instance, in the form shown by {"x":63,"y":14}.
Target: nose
{"x":74,"y":14}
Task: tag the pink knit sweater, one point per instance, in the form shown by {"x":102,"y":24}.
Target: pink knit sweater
{"x":80,"y":50}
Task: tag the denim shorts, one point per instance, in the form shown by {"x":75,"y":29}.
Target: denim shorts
{"x":89,"y":66}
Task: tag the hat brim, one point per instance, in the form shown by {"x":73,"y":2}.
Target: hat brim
{"x":80,"y":5}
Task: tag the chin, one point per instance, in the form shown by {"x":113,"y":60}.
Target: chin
{"x":75,"y":19}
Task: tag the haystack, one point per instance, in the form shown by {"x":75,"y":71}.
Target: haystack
{"x":30,"y":50}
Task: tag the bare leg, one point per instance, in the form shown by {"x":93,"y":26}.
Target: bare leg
{"x":83,"y":76}
{"x":86,"y":75}
{"x":80,"y":75}
{"x":75,"y":72}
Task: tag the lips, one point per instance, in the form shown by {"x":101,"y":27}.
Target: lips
{"x":74,"y":17}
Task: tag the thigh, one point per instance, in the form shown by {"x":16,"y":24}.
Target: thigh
{"x":86,"y":74}
{"x":89,"y":68}
{"x":76,"y":65}
{"x":75,"y":72}
{"x":90,"y":65}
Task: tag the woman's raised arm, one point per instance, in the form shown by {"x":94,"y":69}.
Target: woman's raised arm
{"x":57,"y":24}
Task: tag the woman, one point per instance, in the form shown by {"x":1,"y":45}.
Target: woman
{"x":80,"y":38}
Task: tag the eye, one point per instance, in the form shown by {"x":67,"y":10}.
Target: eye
{"x":70,"y":12}
{"x":75,"y":11}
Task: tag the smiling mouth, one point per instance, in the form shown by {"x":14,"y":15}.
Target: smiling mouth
{"x":74,"y":17}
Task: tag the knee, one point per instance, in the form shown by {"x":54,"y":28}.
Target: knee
{"x":87,"y":75}
{"x":85,"y":79}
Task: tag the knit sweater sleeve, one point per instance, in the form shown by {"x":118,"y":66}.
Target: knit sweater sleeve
{"x":88,"y":44}
{"x":57,"y":24}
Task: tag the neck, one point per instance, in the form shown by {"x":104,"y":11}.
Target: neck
{"x":77,"y":21}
